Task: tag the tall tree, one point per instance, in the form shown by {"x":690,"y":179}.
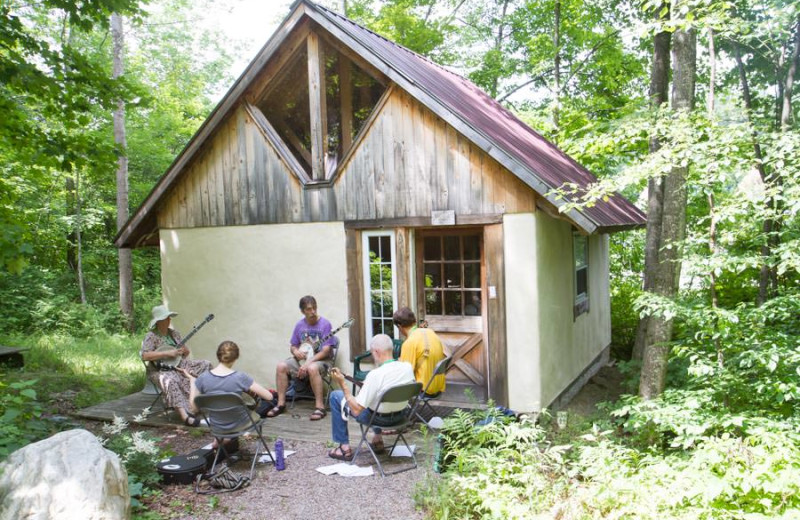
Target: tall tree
{"x":125,"y":259}
{"x":666,"y":272}
{"x":659,"y":85}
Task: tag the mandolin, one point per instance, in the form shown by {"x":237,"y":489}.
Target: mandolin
{"x":309,"y":347}
{"x":171,"y":363}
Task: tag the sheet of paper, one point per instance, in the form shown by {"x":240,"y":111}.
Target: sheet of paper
{"x":346,"y":470}
{"x":402,"y":451}
{"x":265,"y":458}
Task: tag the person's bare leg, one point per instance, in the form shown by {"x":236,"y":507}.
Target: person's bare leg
{"x":316,"y":385}
{"x":282,"y":380}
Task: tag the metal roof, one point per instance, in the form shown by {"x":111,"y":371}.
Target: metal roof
{"x":547,"y":166}
{"x":493,"y":128}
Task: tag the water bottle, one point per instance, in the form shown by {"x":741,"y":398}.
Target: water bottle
{"x":437,"y":454}
{"x":280,"y":463}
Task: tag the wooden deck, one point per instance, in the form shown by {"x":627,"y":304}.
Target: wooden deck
{"x":292,"y":425}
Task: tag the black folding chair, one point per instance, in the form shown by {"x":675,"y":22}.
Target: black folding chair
{"x":229,"y":417}
{"x":423,"y":404}
{"x":327,"y":382}
{"x":407,"y":393}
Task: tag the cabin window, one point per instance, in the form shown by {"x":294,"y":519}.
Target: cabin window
{"x":452,"y":271}
{"x":580,"y":253}
{"x":346,"y":98}
{"x":379,"y":281}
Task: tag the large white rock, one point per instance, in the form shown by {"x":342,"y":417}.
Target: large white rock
{"x":68,"y":476}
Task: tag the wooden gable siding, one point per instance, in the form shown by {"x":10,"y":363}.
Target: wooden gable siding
{"x":408,"y":164}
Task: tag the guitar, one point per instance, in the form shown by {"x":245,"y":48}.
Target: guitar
{"x":171,"y":363}
{"x":308,"y":347}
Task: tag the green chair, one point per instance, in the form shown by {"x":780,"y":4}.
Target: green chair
{"x":359,"y":374}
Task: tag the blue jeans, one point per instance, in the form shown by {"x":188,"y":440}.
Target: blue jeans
{"x":339,"y":431}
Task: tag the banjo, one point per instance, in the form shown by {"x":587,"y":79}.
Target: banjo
{"x":308,"y":347}
{"x":171,"y":363}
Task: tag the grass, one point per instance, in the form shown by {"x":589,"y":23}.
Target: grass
{"x":97,"y":368}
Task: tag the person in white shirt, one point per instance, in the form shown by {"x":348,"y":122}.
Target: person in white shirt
{"x":389,"y":373}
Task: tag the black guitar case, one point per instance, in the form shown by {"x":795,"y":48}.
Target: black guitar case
{"x":182,"y":469}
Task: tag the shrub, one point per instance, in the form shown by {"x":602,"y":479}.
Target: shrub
{"x":20,"y":417}
{"x":139,"y":454}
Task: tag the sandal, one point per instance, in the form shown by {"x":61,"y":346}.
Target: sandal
{"x":317,"y":414}
{"x":279,"y":409}
{"x":339,"y":453}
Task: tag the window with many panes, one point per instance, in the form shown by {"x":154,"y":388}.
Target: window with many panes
{"x":350,"y":96}
{"x":379,"y":281}
{"x":580,"y":253}
{"x":452,"y":271}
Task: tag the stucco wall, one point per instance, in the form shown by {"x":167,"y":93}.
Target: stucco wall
{"x":547,"y":348}
{"x":251,"y":278}
{"x":568,"y":345}
{"x":522,"y":312}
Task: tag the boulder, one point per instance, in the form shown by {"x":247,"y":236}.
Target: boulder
{"x":70,"y":475}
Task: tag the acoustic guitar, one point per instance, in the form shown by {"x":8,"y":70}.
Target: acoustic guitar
{"x":172,"y":362}
{"x":308,"y":347}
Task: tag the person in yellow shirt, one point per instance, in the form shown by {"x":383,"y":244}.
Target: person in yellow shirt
{"x":422,"y":349}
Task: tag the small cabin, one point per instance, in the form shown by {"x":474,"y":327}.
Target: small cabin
{"x":345,"y":166}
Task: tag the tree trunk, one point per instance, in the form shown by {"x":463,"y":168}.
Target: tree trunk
{"x":72,"y":236}
{"x":659,"y":82}
{"x":766,"y":226}
{"x":673,"y":222}
{"x":125,"y":260}
{"x":78,"y":224}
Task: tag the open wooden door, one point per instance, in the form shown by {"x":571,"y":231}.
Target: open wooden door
{"x":451,"y":297}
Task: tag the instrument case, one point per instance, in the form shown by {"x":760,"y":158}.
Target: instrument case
{"x":182,"y":469}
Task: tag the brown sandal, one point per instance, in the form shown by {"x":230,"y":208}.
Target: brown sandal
{"x":318,"y":414}
{"x":277,"y":410}
{"x":339,"y":453}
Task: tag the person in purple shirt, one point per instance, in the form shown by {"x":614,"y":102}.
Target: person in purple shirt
{"x":310,"y":357}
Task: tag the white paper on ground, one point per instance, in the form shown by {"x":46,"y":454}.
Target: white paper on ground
{"x":436,"y":423}
{"x":402,"y":451}
{"x":265,"y":458}
{"x":346,"y":470}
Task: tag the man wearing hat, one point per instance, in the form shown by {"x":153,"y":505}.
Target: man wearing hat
{"x":168,"y":363}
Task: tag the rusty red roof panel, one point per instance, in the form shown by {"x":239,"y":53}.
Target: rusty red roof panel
{"x":482,"y":113}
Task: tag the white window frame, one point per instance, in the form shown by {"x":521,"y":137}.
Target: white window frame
{"x":581,"y":300}
{"x":365,"y":236}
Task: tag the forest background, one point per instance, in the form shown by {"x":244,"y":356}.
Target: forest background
{"x":687,"y":108}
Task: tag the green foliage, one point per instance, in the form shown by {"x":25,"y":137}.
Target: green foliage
{"x":138,"y":452}
{"x":493,"y":469}
{"x":20,"y":416}
{"x":724,"y":478}
{"x":93,"y":369}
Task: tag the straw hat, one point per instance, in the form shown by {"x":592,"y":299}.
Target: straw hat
{"x":161,"y":312}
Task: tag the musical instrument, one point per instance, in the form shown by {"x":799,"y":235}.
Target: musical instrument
{"x":309,"y":347}
{"x":172,"y":362}
{"x":182,"y":469}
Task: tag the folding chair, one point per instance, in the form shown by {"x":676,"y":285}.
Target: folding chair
{"x":327,"y":382}
{"x":423,"y":403}
{"x":228,"y":418}
{"x":152,"y":389}
{"x":359,"y":374}
{"x":407,"y":393}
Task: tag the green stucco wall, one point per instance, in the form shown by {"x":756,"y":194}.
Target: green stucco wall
{"x":548,"y":348}
{"x":251,"y":278}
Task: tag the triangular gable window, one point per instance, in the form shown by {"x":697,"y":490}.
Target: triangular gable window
{"x":318,"y":103}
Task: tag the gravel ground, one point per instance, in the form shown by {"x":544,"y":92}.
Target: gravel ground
{"x":299,"y":491}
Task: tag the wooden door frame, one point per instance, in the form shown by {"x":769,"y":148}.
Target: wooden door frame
{"x":492,"y":319}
